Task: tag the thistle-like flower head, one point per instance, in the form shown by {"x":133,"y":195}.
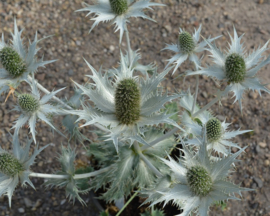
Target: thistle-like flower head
{"x":118,"y":12}
{"x":196,"y":182}
{"x":17,"y":61}
{"x":15,"y":166}
{"x":32,"y":107}
{"x":125,"y":105}
{"x":236,"y":67}
{"x":217,"y":134}
{"x":186,"y":48}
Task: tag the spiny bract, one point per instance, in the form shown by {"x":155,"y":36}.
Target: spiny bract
{"x":12,"y":62}
{"x":235,"y":68}
{"x":213,"y":130}
{"x":28,"y":102}
{"x":10,"y":165}
{"x":127,"y":101}
{"x":199,"y":181}
{"x":119,"y":6}
{"x":185,"y":42}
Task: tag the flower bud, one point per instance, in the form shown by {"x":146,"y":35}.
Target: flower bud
{"x":213,"y":130}
{"x":119,"y":6}
{"x":127,"y":101}
{"x":12,"y":62}
{"x":9,"y":165}
{"x":235,"y":68}
{"x":186,"y":43}
{"x":199,"y":181}
{"x":28,"y":102}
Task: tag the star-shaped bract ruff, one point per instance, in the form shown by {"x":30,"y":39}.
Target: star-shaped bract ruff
{"x":104,"y":13}
{"x":41,"y":110}
{"x":20,"y":154}
{"x":103,"y":93}
{"x":27,"y":56}
{"x":179,"y":188}
{"x":182,"y":55}
{"x":247,"y":66}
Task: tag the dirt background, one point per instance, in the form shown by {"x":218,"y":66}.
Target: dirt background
{"x":71,"y":42}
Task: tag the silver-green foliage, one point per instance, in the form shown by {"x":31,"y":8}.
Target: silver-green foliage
{"x":127,"y":170}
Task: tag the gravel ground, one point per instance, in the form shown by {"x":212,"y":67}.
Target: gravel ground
{"x":71,"y":42}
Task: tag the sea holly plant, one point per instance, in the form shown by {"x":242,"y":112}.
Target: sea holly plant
{"x":152,"y":143}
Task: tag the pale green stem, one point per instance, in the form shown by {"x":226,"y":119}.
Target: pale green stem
{"x":145,"y":160}
{"x":196,"y":94}
{"x":212,"y":102}
{"x":64,"y":104}
{"x":163,"y":137}
{"x":128,"y":45}
{"x":91,"y":174}
{"x":78,"y":176}
{"x":127,"y":203}
{"x":44,"y":175}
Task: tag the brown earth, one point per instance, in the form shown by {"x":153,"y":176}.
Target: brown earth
{"x":71,"y":42}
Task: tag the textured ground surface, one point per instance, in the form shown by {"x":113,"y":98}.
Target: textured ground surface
{"x":71,"y":42}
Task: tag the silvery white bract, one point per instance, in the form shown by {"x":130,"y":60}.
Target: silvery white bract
{"x":16,"y":166}
{"x":216,"y":132}
{"x":128,"y":170}
{"x":32,"y":107}
{"x":125,"y":103}
{"x":196,"y":182}
{"x":187,"y":119}
{"x":135,"y":65}
{"x":17,"y":61}
{"x":236,"y":67}
{"x":118,"y":12}
{"x":66,"y":160}
{"x":186,"y":48}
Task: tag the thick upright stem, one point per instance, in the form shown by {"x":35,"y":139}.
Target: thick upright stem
{"x":196,"y":94}
{"x":165,"y":136}
{"x":129,"y":47}
{"x":145,"y":160}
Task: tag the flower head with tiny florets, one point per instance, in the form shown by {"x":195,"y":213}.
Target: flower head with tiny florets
{"x":118,"y":11}
{"x":17,"y":61}
{"x":187,"y":46}
{"x":125,"y":105}
{"x":195,"y":182}
{"x":236,"y":67}
{"x":217,"y":134}
{"x":31,"y":107}
{"x":15,"y":166}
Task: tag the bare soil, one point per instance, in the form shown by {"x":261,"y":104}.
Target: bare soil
{"x":70,"y":43}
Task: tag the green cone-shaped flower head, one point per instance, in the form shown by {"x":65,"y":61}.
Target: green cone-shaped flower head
{"x":235,"y":68}
{"x":213,"y":130}
{"x":12,"y":62}
{"x":127,"y":101}
{"x":199,"y":181}
{"x":186,"y":43}
{"x":119,"y":6}
{"x":28,"y":102}
{"x":9,"y":165}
